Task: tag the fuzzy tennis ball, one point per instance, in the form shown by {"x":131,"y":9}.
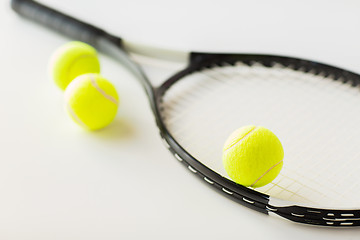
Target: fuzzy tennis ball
{"x":72,"y":60}
{"x":91,"y":101}
{"x":253,"y":156}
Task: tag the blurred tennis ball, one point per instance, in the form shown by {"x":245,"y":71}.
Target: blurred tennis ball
{"x":71,"y":60}
{"x":253,"y":156}
{"x":91,"y":101}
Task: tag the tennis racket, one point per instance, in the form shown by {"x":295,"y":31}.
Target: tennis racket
{"x":312,"y":107}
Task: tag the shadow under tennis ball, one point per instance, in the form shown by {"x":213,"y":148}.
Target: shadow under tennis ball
{"x":120,"y":128}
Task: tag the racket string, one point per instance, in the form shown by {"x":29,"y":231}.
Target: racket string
{"x":311,"y":114}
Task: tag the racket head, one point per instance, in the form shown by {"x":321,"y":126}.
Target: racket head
{"x":254,"y":66}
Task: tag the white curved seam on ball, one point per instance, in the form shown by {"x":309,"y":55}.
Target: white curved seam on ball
{"x":93,"y":82}
{"x":265,"y":173}
{"x":73,"y":114}
{"x":241,"y":139}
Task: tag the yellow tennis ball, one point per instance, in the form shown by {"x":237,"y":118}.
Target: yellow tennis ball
{"x":72,"y":60}
{"x":91,"y":101}
{"x":253,"y":156}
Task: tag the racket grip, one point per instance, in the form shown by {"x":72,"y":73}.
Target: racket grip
{"x":59,"y":22}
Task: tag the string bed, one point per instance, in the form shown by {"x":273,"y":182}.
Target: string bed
{"x":315,"y":117}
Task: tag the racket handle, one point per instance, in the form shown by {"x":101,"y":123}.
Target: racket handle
{"x":59,"y":22}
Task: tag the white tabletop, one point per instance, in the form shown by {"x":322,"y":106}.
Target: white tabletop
{"x":58,"y":181}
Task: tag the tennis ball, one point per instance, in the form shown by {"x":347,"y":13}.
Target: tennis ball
{"x":91,"y":101}
{"x":253,"y":156}
{"x":72,"y":60}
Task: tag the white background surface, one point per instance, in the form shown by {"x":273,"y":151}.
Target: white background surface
{"x":58,"y":181}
